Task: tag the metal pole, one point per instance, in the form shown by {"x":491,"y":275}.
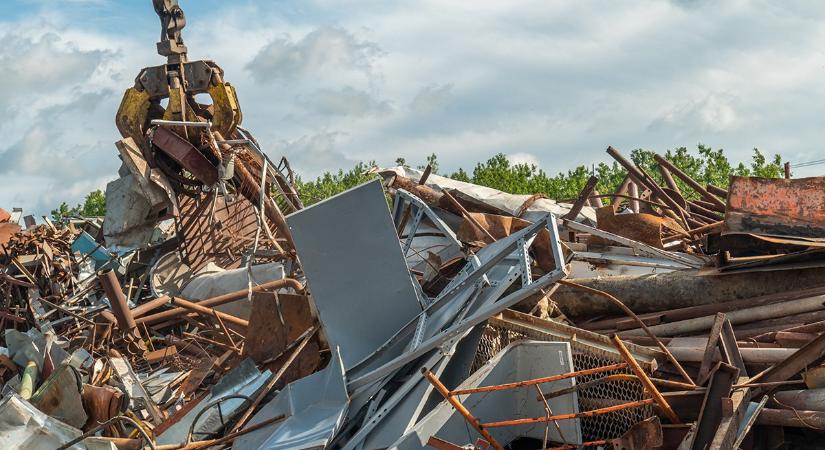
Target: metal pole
{"x":209,"y":312}
{"x":460,"y":408}
{"x":648,"y":385}
{"x":214,"y":301}
{"x":518,"y":384}
{"x":591,"y":413}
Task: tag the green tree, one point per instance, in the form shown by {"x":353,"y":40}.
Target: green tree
{"x":330,"y":183}
{"x":94,"y":205}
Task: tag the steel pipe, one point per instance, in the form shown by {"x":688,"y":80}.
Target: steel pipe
{"x":215,"y":301}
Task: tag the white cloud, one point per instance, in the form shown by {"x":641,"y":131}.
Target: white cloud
{"x":344,"y":102}
{"x":431,"y":97}
{"x":524,"y":159}
{"x":327,"y":84}
{"x":326,"y":48}
{"x":712,"y":113}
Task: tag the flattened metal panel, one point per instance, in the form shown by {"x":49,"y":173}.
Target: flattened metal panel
{"x":776,"y":207}
{"x":355,"y":269}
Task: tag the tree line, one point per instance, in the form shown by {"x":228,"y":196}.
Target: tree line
{"x":705,"y":165}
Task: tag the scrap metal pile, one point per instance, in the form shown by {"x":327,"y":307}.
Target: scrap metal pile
{"x":211,"y":309}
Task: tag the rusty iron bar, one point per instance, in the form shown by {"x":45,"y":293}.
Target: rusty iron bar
{"x":472,"y":420}
{"x":407,"y":209}
{"x":467,"y":215}
{"x":716,"y":190}
{"x":698,"y":231}
{"x":639,"y":321}
{"x":120,"y":309}
{"x":518,"y":384}
{"x":669,"y":181}
{"x":809,"y":354}
{"x":117,"y":300}
{"x":216,"y":301}
{"x":203,"y":310}
{"x":689,"y":181}
{"x":568,"y":416}
{"x":648,"y":385}
{"x":620,"y":377}
{"x":640,"y":177}
{"x":588,"y":189}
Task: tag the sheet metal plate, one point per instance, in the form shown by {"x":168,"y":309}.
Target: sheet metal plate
{"x":355,"y":269}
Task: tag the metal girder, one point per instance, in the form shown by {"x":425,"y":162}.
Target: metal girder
{"x":488,"y":305}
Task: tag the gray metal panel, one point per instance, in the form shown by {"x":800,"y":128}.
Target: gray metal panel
{"x":315,"y":407}
{"x":355,"y":269}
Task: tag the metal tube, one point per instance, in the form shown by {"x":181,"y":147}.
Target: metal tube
{"x":209,"y":312}
{"x":633,"y":189}
{"x":591,"y":413}
{"x":518,"y":384}
{"x":117,"y":300}
{"x":460,"y":408}
{"x":749,"y":355}
{"x":669,"y":181}
{"x":216,"y":301}
{"x":689,"y":181}
{"x":648,"y":385}
{"x":118,"y":303}
{"x":185,"y":123}
{"x":736,"y":317}
{"x":792,"y":418}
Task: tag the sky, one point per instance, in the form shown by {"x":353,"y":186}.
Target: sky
{"x":329,"y":83}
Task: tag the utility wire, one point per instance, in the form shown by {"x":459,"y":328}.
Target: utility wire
{"x":809,"y":163}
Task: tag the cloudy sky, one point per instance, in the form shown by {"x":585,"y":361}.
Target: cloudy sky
{"x":329,"y":83}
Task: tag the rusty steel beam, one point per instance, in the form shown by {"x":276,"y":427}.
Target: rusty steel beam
{"x":712,"y":412}
{"x":806,"y":356}
{"x":185,"y":154}
{"x":777,"y":207}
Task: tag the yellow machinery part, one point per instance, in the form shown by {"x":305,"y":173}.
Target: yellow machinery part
{"x":226,"y":109}
{"x":132,"y":115}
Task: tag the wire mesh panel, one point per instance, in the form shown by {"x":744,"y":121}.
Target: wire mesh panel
{"x":607,"y":426}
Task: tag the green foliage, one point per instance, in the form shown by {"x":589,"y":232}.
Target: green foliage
{"x":706,"y":166}
{"x":330,"y":184}
{"x":432,"y":161}
{"x":93,"y":206}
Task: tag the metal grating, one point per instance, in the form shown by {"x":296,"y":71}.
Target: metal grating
{"x":607,"y":426}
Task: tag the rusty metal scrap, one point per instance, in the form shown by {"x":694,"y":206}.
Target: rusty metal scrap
{"x":535,"y":323}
